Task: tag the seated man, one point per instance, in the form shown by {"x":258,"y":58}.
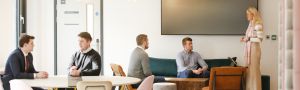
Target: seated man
{"x":189,"y":63}
{"x":19,"y":64}
{"x":87,"y":61}
{"x":139,"y":61}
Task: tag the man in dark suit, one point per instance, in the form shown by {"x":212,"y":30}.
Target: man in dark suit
{"x":86,"y":61}
{"x":19,"y":64}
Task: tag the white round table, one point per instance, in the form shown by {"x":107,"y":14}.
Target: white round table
{"x":64,"y":82}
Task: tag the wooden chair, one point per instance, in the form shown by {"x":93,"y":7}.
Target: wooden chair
{"x":94,"y":85}
{"x":118,"y":71}
{"x":227,"y":78}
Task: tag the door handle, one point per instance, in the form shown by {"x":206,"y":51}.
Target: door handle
{"x":22,"y":19}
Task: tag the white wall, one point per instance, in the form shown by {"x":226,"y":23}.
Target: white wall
{"x":125,"y":19}
{"x":7,"y":29}
{"x":269,"y":63}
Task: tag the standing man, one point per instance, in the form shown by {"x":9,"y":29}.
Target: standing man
{"x":139,"y":66}
{"x":86,"y":61}
{"x":189,"y":63}
{"x":19,"y":64}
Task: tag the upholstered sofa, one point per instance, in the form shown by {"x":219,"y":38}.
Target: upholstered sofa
{"x":168,"y":68}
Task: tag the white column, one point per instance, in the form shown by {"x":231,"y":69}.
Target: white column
{"x":296,"y":40}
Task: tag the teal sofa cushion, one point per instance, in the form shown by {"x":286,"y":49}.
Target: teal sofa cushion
{"x":265,"y":82}
{"x":168,"y":67}
{"x":163,"y":67}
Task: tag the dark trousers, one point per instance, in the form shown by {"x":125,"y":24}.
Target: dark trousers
{"x":190,"y":74}
{"x":156,"y":80}
{"x":5,"y":82}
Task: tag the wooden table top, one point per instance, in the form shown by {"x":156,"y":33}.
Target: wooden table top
{"x":187,"y":79}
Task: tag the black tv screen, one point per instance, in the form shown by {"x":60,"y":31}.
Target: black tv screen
{"x":205,"y":17}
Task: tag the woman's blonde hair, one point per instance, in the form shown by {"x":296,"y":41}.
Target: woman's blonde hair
{"x":255,"y":14}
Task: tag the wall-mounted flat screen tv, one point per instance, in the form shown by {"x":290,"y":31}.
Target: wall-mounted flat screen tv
{"x":204,"y":17}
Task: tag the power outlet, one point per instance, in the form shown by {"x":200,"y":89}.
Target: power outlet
{"x":274,"y":37}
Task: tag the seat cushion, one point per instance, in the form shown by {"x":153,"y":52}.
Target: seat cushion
{"x":164,"y":86}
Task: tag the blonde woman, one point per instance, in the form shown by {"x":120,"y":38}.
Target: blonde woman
{"x":253,"y":37}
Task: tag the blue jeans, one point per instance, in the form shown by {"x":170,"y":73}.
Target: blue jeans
{"x":190,"y":74}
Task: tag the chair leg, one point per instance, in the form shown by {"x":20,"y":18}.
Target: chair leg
{"x":122,"y":87}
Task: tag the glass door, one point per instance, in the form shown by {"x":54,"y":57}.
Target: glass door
{"x":73,"y":17}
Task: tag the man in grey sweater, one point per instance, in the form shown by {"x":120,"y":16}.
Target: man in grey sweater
{"x":189,"y":63}
{"x":139,"y":61}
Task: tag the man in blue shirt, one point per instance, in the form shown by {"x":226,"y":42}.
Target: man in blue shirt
{"x":189,"y":63}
